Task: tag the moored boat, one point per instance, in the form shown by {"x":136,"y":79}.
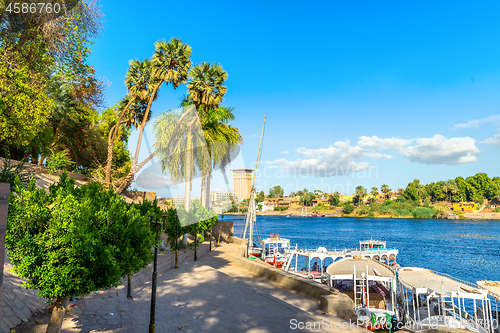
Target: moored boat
{"x":274,"y":249}
{"x":372,"y":287}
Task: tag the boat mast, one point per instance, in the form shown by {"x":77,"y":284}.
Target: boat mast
{"x":252,"y":215}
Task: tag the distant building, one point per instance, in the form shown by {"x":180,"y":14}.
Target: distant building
{"x":466,"y":207}
{"x":242,"y":183}
{"x":322,"y":201}
{"x":179,"y":202}
{"x":221,"y":196}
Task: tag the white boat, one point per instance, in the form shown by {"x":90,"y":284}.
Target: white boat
{"x":432,"y":300}
{"x":274,"y":250}
{"x":372,"y":287}
{"x":316,"y":260}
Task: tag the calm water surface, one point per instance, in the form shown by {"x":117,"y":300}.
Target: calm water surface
{"x":466,"y":249}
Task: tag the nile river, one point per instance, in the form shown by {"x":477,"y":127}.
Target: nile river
{"x":466,"y":249}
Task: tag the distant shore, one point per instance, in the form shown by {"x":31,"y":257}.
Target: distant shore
{"x":471,"y":216}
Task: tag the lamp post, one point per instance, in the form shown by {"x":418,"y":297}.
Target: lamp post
{"x":195,"y":239}
{"x":176,"y":241}
{"x":153,"y":284}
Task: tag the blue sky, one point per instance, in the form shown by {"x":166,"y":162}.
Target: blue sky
{"x":355,"y":92}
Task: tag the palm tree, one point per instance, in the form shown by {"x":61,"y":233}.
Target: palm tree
{"x":179,"y":145}
{"x":385,"y":189}
{"x":374,"y":191}
{"x":222,"y":139}
{"x":206,"y":90}
{"x":360,"y":193}
{"x":450,"y":188}
{"x":139,"y":86}
{"x":171,"y":63}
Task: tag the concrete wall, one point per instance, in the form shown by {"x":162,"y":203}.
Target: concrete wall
{"x":33,"y":168}
{"x":139,"y":196}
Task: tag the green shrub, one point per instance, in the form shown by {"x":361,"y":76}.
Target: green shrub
{"x":497,"y":210}
{"x":362,"y":210}
{"x":73,"y":241}
{"x":348,"y":208}
{"x":59,"y":161}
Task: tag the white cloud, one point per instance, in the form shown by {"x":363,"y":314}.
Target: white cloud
{"x":495,"y":119}
{"x":395,"y":144}
{"x":435,"y":150}
{"x":493,"y":141}
{"x":439,"y":150}
{"x":340,"y":159}
{"x":284,"y":152}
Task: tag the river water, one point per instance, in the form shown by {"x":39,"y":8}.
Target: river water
{"x":466,"y":249}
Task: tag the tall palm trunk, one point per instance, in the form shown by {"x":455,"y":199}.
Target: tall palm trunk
{"x":189,"y":172}
{"x":207,"y":189}
{"x":111,"y":142}
{"x":144,"y":121}
{"x":203,"y":190}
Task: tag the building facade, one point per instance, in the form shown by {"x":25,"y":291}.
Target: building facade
{"x":221,"y":196}
{"x":242,"y":183}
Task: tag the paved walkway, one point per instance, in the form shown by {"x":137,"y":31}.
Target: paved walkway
{"x":210,"y":295}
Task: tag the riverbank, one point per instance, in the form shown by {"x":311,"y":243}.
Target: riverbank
{"x":396,"y":210}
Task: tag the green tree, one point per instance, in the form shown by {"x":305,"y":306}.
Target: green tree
{"x":385,"y":189}
{"x":24,"y":103}
{"x":374,"y":191}
{"x":139,"y":83}
{"x":275,"y":192}
{"x":360,"y":194}
{"x":73,"y":241}
{"x":260,"y":196}
{"x":308,"y":198}
{"x":334,"y":199}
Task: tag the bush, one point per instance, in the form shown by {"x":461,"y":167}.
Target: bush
{"x":73,"y":241}
{"x":348,"y":208}
{"x":362,"y":211}
{"x":497,"y":210}
{"x":59,"y":161}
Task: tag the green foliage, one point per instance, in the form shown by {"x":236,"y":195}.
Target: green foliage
{"x":204,"y":217}
{"x":260,"y":196}
{"x":275,"y":192}
{"x":9,"y":172}
{"x":348,"y":208}
{"x":308,"y":198}
{"x":334,"y":199}
{"x":24,"y":104}
{"x":59,"y":161}
{"x":280,"y":209}
{"x":72,"y":241}
{"x":497,"y":210}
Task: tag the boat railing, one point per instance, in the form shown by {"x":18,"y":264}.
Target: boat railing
{"x":470,"y":284}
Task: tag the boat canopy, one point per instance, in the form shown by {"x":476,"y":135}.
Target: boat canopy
{"x":349,"y":266}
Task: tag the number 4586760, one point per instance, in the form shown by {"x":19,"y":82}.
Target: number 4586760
{"x":33,"y":8}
